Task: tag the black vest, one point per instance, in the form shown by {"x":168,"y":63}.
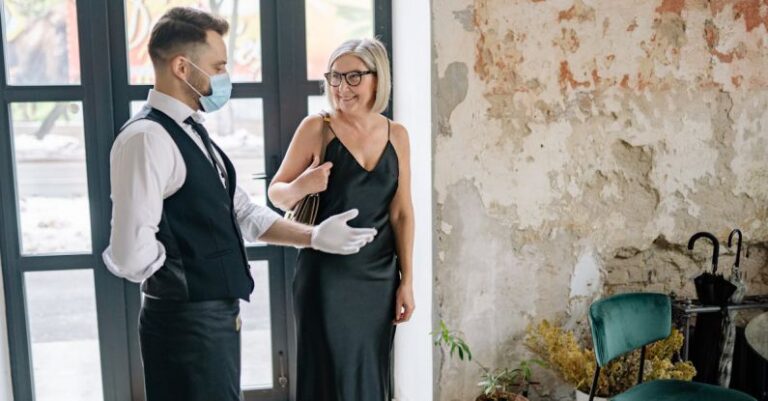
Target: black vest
{"x":205,"y":254}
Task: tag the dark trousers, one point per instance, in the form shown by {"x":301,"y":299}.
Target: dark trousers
{"x":190,"y":350}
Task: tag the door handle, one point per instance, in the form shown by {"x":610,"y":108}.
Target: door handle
{"x":261,"y":176}
{"x":283,"y":379}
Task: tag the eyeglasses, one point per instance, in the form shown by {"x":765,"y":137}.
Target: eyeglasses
{"x":353,"y":78}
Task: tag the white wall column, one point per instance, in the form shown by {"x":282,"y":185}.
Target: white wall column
{"x":412,"y":48}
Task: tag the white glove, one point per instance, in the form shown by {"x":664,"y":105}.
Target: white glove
{"x":334,"y":235}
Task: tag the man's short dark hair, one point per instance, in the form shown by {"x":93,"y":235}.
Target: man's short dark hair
{"x":180,"y":29}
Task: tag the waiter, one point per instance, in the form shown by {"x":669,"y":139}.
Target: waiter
{"x":179,"y":219}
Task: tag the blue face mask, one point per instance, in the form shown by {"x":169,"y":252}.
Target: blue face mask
{"x":221,"y":90}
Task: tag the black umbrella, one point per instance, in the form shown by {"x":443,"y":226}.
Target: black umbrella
{"x":728,"y":341}
{"x":706,"y":342}
{"x":711,"y":288}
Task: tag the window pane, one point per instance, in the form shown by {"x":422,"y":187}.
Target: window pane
{"x":52,"y":185}
{"x":243,"y":40}
{"x":257,"y":332}
{"x":42,"y":34}
{"x":316,"y":104}
{"x":238,"y":128}
{"x":136,"y":106}
{"x":61,"y":307}
{"x":329,"y":24}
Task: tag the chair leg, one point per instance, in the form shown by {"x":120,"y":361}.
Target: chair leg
{"x":642,"y":365}
{"x":593,"y":389}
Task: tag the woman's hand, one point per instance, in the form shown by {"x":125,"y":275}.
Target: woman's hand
{"x":315,"y":178}
{"x":404,"y":304}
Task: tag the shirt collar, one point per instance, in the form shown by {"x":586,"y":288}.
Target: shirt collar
{"x":173,"y":107}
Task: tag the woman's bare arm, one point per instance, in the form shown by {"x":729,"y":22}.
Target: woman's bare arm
{"x":401,"y":217}
{"x":300,"y":173}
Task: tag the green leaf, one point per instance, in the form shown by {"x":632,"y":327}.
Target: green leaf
{"x":466,"y":349}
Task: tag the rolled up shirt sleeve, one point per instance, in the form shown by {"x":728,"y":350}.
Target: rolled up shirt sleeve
{"x":140,"y":167}
{"x":254,"y":220}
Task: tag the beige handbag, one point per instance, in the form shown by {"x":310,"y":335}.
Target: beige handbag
{"x":305,"y":211}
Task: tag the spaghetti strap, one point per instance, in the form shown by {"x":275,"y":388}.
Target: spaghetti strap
{"x":327,"y":122}
{"x":389,"y":130}
{"x":326,"y":128}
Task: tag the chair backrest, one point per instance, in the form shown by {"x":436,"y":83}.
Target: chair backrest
{"x":624,"y":322}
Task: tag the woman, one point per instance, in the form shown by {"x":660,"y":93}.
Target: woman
{"x":346,"y":307}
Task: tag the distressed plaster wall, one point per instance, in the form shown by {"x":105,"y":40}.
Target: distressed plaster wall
{"x":578,"y":145}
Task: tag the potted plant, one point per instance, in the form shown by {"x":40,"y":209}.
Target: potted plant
{"x":575,"y":363}
{"x":496,"y":384}
{"x":501,"y":381}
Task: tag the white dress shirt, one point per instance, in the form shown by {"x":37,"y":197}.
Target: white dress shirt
{"x":146,"y":167}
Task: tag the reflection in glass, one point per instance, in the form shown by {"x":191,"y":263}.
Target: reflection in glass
{"x":257,"y":332}
{"x":329,"y":24}
{"x":61,"y":307}
{"x":238,"y":129}
{"x":52,"y":186}
{"x":243,"y":40}
{"x":42,"y":34}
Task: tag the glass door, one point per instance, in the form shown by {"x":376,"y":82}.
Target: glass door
{"x":71,"y":73}
{"x":246,"y":130}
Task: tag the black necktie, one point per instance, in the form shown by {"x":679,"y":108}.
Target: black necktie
{"x":203,"y":133}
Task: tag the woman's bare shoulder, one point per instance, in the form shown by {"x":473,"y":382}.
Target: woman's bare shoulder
{"x":311,"y":122}
{"x":309,"y":129}
{"x":398,"y":134}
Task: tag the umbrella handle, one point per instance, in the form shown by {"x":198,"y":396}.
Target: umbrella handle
{"x":738,"y":245}
{"x":715,"y":246}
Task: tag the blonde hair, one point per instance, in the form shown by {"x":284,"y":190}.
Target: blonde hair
{"x":374,"y":55}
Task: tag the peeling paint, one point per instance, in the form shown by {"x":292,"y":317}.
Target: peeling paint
{"x":568,"y":42}
{"x":567,"y":80}
{"x":632,"y":26}
{"x":671,"y":6}
{"x":453,"y":89}
{"x":579,"y":11}
{"x":586,"y":280}
{"x":578,"y":145}
{"x":752,"y":11}
{"x":466,"y":17}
